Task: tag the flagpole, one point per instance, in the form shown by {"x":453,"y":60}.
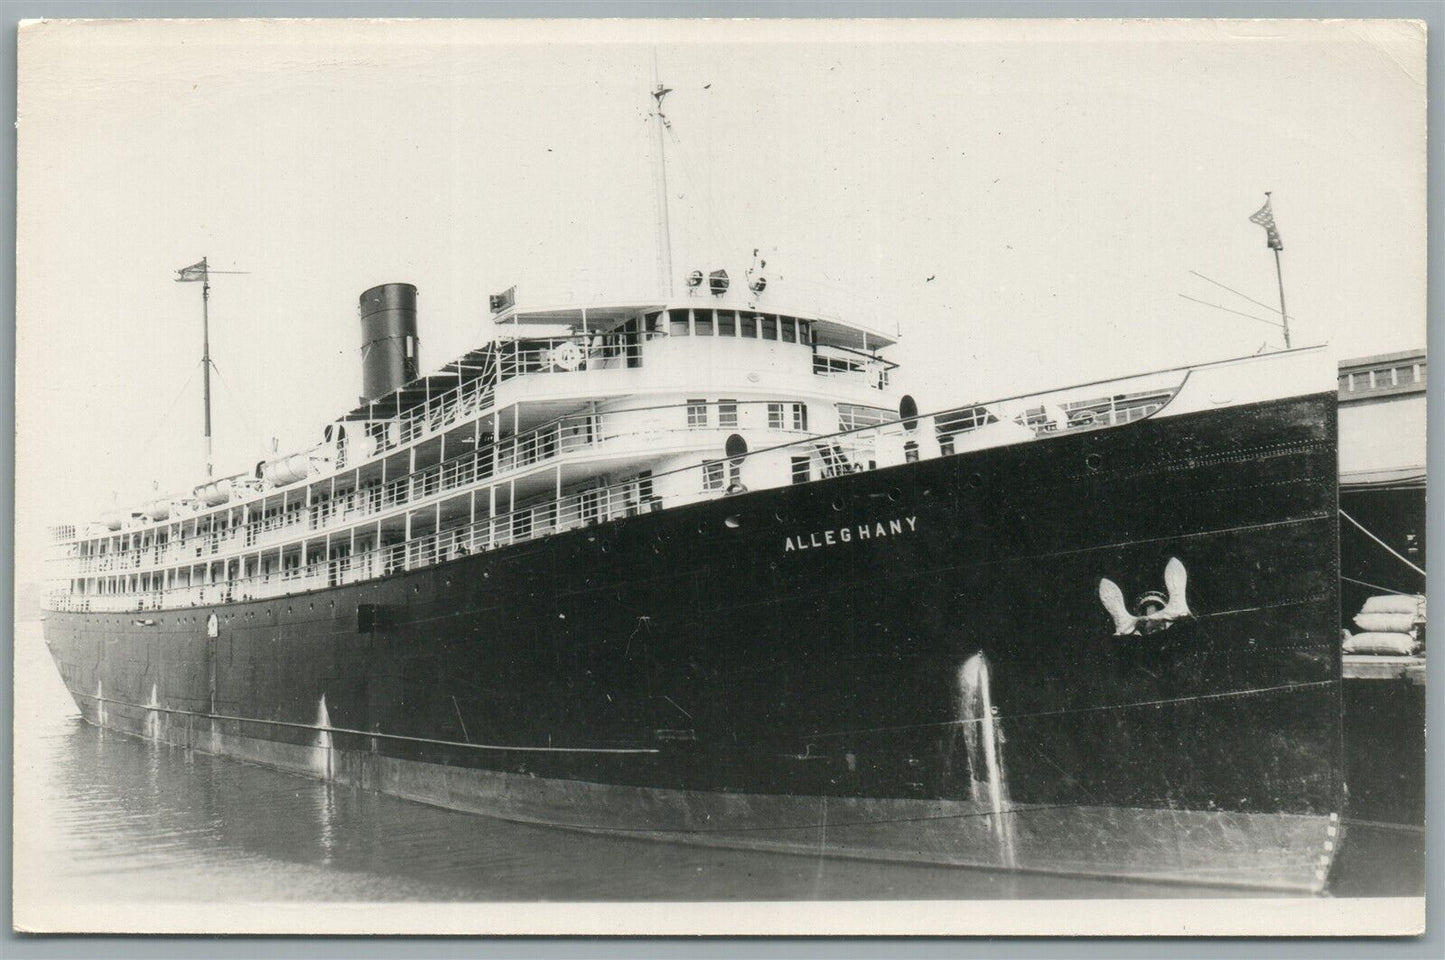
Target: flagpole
{"x":1284,"y":317}
{"x":206,"y":355}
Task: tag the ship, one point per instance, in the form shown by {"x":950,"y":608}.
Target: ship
{"x":694,"y":568}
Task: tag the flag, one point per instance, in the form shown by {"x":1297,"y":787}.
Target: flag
{"x":196,"y":271}
{"x":1265,"y":218}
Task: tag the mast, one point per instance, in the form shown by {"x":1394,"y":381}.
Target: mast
{"x":1283,"y":314}
{"x":202,"y":271}
{"x":206,"y":357}
{"x":664,"y":228}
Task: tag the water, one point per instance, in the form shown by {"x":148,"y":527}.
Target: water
{"x":102,"y":818}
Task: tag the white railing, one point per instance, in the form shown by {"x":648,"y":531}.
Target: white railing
{"x":514,"y":358}
{"x":827,"y":456}
{"x":512,"y":457}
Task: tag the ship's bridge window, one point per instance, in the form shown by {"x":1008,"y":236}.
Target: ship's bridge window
{"x":749,"y":325}
{"x":702,"y":320}
{"x":654,"y":322}
{"x":770,"y":328}
{"x":726,"y":323}
{"x":677,"y":325}
{"x":790,"y":329}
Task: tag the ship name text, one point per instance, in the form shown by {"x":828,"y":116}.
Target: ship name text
{"x":877,"y":530}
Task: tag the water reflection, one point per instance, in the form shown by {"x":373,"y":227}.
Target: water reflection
{"x":105,"y":817}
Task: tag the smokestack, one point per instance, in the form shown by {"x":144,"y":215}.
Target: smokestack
{"x":389,"y":346}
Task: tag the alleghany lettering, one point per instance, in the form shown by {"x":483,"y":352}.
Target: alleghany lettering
{"x":863,"y":531}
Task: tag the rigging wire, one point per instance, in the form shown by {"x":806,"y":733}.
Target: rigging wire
{"x":146,"y":446}
{"x":256,"y":434}
{"x":724,"y":233}
{"x":1376,"y":586}
{"x":1228,"y":310}
{"x":1246,"y":296}
{"x":1382,"y":543}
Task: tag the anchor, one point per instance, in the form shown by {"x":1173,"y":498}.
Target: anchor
{"x":1157,"y":611}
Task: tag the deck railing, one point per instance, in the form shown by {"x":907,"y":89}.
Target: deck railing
{"x":510,"y":458}
{"x":827,"y":456}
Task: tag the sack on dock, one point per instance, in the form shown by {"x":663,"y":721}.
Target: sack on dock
{"x":1415,"y":606}
{"x":1385,"y":622}
{"x":1386,"y":644}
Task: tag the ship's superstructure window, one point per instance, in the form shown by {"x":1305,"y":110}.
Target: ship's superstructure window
{"x":677,"y":322}
{"x":702,"y":321}
{"x":775,"y":416}
{"x":726,"y":323}
{"x":853,"y":416}
{"x":800,"y":416}
{"x":712,"y":475}
{"x":727,"y":413}
{"x":770,"y":327}
{"x":697,"y":414}
{"x":802,"y":469}
{"x":790,"y":329}
{"x":748,"y":326}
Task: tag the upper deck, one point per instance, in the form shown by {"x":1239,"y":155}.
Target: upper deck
{"x":328,"y":534}
{"x":551,"y":362}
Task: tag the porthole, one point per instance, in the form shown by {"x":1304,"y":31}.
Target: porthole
{"x":1094,"y":461}
{"x":733,"y":522}
{"x":975,"y":480}
{"x":895,"y":494}
{"x":606,"y":547}
{"x":838,"y":505}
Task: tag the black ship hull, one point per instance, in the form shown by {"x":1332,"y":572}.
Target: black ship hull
{"x":908,"y":663}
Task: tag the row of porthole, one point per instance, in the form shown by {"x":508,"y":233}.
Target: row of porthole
{"x":1092,"y":461}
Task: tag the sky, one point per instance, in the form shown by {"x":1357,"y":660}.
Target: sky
{"x":1027,"y":202}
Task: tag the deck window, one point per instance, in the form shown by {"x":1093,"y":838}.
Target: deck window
{"x":790,"y":329}
{"x":770,"y":328}
{"x":749,"y":325}
{"x":727,"y":413}
{"x":702,"y":322}
{"x":800,"y":416}
{"x":697,"y":414}
{"x":802,"y":470}
{"x":727,"y":323}
{"x":775,"y":416}
{"x":677,"y":322}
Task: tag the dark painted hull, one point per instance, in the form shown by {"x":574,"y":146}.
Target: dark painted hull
{"x":723,"y":673}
